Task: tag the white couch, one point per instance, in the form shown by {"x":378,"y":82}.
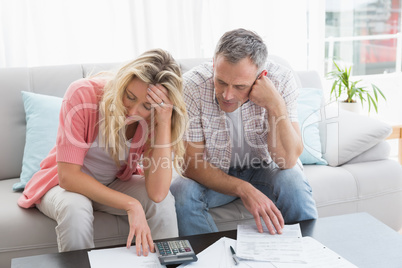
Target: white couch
{"x":361,"y":185}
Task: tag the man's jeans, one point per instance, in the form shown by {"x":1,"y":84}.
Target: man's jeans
{"x":288,"y":189}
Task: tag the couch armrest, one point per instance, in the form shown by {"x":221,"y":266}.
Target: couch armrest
{"x":397,"y":134}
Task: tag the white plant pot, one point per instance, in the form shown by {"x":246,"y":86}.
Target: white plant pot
{"x":354,"y":107}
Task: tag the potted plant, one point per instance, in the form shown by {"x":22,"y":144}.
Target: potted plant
{"x":343,"y":84}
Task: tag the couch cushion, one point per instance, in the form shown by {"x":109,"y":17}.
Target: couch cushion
{"x":309,"y":79}
{"x":227,"y":217}
{"x":23,"y":230}
{"x":42,"y":117}
{"x":187,"y":64}
{"x":49,"y":80}
{"x":26,"y":232}
{"x":54,"y":80}
{"x":361,"y":187}
{"x":92,"y":69}
{"x":332,"y":187}
{"x":12,"y":81}
{"x":380,"y":185}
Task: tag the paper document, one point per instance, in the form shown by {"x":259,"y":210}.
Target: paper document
{"x":122,"y":257}
{"x":218,"y":255}
{"x":285,"y":247}
{"x":317,"y":256}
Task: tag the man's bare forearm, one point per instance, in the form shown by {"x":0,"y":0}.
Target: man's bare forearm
{"x":213,"y":178}
{"x":284,"y":140}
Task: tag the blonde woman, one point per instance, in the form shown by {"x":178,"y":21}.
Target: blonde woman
{"x":109,"y":124}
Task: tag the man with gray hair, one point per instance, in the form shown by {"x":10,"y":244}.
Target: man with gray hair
{"x":243,"y":140}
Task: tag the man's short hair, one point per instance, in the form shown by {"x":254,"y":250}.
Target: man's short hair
{"x":238,"y":44}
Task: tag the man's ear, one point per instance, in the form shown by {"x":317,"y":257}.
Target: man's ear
{"x":213,"y":62}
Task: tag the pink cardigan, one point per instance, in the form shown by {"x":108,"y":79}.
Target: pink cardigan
{"x":78,"y":128}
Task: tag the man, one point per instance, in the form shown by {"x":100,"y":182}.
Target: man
{"x":243,"y":140}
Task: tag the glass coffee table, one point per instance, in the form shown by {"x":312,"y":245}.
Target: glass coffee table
{"x":359,"y":238}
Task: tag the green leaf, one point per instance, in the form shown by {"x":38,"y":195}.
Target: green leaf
{"x":375,"y":94}
{"x":352,"y":93}
{"x":361,"y":99}
{"x":370,"y":99}
{"x":360,"y":90}
{"x":337,"y":67}
{"x":379,"y":91}
{"x":342,"y":84}
{"x":345,"y":79}
{"x":333,"y":89}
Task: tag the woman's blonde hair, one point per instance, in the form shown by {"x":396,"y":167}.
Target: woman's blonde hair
{"x":152,"y":67}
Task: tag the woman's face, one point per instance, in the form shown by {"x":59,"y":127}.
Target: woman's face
{"x":134,"y":99}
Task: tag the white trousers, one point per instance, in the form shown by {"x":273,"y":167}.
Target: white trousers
{"x":74,"y":213}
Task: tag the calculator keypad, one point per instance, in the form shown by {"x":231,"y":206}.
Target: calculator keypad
{"x":175,"y":252}
{"x":173,"y":247}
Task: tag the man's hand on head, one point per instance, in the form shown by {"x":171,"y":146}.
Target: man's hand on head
{"x":264,"y":94}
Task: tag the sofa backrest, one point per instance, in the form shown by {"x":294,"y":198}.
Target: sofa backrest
{"x":54,"y":80}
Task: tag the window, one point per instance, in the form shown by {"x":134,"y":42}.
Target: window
{"x":364,"y":34}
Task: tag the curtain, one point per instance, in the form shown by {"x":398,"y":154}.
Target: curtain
{"x":52,"y":32}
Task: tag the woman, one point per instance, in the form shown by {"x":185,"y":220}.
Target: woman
{"x":108,"y":124}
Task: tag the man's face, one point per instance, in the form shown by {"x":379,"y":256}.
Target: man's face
{"x":233,"y":82}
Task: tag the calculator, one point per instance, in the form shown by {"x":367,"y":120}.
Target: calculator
{"x":174,"y":252}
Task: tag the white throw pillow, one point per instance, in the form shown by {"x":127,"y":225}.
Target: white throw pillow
{"x":345,"y":135}
{"x":381,"y":151}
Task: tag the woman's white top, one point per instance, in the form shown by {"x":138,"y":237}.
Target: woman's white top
{"x":99,"y":164}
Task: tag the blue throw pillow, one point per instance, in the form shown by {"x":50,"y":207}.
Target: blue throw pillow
{"x":42,"y":118}
{"x":308,"y":108}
